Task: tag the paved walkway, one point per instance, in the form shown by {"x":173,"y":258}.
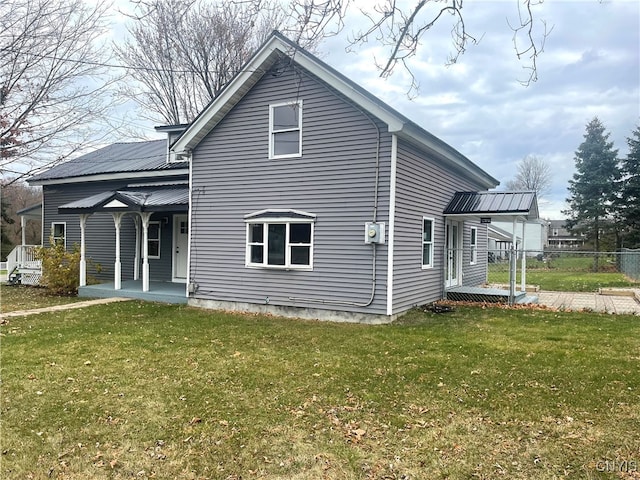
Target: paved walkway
{"x":622,"y":302}
{"x":67,"y":306}
{"x":596,"y":302}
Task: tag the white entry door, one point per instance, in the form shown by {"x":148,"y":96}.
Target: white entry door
{"x":180,"y":247}
{"x":453,"y":241}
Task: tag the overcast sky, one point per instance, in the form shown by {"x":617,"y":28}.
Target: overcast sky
{"x":590,"y":67}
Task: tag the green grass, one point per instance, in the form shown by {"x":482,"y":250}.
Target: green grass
{"x":142,"y":390}
{"x":567,"y":281}
{"x":24,"y":297}
{"x":568,"y":272}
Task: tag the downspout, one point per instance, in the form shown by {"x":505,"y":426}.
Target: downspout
{"x":190,"y":288}
{"x":392,"y":222}
{"x":373,"y":245}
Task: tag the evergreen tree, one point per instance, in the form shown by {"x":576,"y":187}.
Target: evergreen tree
{"x":595,"y":185}
{"x":630,"y":196}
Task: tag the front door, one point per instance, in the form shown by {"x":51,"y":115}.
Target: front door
{"x":453,"y":239}
{"x":180,"y":247}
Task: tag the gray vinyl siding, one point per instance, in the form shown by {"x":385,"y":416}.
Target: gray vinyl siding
{"x":100,"y":232}
{"x":423,"y":189}
{"x":334,"y":180}
{"x":474,"y":275}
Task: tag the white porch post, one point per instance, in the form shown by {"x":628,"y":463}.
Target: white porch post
{"x":23,"y":228}
{"x":83,"y":251}
{"x":117,"y":276}
{"x":145,"y":250}
{"x":513,"y":262}
{"x":136,"y":260}
{"x":523,"y":274}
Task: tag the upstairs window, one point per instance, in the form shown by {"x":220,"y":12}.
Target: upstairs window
{"x":427,"y":242}
{"x":276,"y":240}
{"x":285,"y":130}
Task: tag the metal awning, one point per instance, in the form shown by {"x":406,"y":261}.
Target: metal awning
{"x":505,"y":205}
{"x":33,"y":212}
{"x":139,"y":200}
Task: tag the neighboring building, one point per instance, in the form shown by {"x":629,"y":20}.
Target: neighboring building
{"x":558,"y":237}
{"x":535,"y":235}
{"x":294,"y":192}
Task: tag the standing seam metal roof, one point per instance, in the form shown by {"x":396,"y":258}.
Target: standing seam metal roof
{"x":118,"y":157}
{"x":505,"y":203}
{"x":139,"y":200}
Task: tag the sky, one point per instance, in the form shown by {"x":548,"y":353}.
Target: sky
{"x":590,"y":67}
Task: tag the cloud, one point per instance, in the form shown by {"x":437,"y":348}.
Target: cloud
{"x":589,"y":67}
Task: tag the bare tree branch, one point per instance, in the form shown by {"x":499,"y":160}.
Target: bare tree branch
{"x":183,"y":52}
{"x":531,"y":49}
{"x":534,"y":175}
{"x":50,"y":90}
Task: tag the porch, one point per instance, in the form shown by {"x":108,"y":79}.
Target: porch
{"x":23,"y":267}
{"x":165,"y":292}
{"x":489,"y":295}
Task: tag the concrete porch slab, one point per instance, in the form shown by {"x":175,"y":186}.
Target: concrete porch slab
{"x":166,"y":292}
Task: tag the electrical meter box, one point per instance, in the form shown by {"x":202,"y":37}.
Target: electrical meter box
{"x":373,"y":232}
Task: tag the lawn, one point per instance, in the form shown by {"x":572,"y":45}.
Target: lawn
{"x":143,"y":390}
{"x":569,"y":272}
{"x":24,"y":297}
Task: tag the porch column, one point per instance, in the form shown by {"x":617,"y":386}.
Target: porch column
{"x":136,"y":260}
{"x":513,"y":262}
{"x":83,"y":242}
{"x":23,"y":228}
{"x":523,"y":274}
{"x":145,"y":216}
{"x":117,"y":276}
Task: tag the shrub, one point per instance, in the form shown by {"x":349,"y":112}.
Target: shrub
{"x":60,"y":268}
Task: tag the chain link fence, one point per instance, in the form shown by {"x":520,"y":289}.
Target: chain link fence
{"x":552,"y":270}
{"x":630,"y":263}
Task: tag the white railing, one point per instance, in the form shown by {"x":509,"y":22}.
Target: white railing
{"x":22,"y":259}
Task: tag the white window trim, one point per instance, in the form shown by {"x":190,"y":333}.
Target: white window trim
{"x":422,"y":243}
{"x":64,"y":237}
{"x":265,"y":222}
{"x":272,"y":132}
{"x":159,"y":239}
{"x":473,"y":242}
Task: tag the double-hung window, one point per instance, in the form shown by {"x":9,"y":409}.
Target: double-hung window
{"x":153,"y":240}
{"x":427,"y":242}
{"x":280,"y":239}
{"x":59,"y":233}
{"x":285,"y":130}
{"x":474,"y":245}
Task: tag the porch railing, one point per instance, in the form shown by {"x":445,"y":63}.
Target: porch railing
{"x":22,"y":265}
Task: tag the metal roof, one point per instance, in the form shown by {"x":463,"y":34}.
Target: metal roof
{"x":31,"y":212}
{"x":518,"y":204}
{"x":140,"y":200}
{"x":116,"y":158}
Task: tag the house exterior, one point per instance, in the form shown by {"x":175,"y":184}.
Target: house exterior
{"x":558,"y":237}
{"x":294,"y":192}
{"x":531,"y":235}
{"x":107,"y":197}
{"x":292,"y":143}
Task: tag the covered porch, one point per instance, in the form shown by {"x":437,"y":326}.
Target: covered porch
{"x":159,"y":233}
{"x":485,"y":207}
